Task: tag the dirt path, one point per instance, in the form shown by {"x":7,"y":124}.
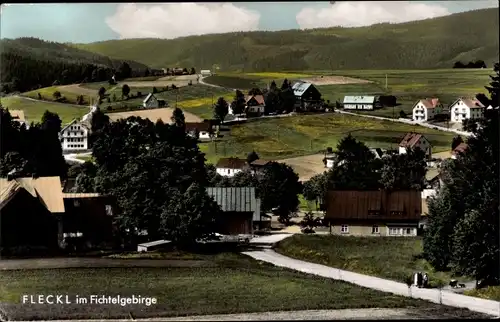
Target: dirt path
{"x":335,"y":80}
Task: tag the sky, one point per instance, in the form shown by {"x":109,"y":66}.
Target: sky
{"x":90,"y":22}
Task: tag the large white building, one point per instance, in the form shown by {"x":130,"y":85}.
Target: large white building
{"x":426,"y":109}
{"x":361,"y":102}
{"x":466,"y":108}
{"x":74,"y":136}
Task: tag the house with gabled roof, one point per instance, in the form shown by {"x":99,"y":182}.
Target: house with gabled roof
{"x":240,"y":208}
{"x":374,"y":213}
{"x":255,"y":104}
{"x":415,"y":141}
{"x":466,"y":108}
{"x":18,"y":116}
{"x":34,"y":211}
{"x":362,"y":102}
{"x":228,"y":167}
{"x":426,"y":109}
{"x":200,"y":130}
{"x":152,"y":102}
{"x":307,"y":96}
{"x":74,"y":136}
{"x":461,"y":148}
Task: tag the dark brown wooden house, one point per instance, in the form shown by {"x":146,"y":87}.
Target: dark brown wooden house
{"x":307,"y":96}
{"x":29,"y":212}
{"x":239,"y":206}
{"x":374,"y":213}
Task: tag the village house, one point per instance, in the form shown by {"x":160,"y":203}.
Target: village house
{"x":415,"y":141}
{"x":466,"y":108}
{"x":307,"y":96}
{"x":259,"y":165}
{"x":255,"y":104}
{"x":200,"y":130}
{"x":373,"y":213}
{"x":74,"y":136}
{"x":228,"y":167}
{"x":425,"y":109}
{"x":152,"y":102}
{"x":361,"y":102}
{"x":205,"y":72}
{"x":239,"y":206}
{"x":461,"y":148}
{"x":36,"y":212}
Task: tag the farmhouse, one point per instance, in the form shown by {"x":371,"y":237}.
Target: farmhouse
{"x":466,"y":108}
{"x":18,"y":116}
{"x":259,"y":165}
{"x":307,"y":96}
{"x":239,"y":206}
{"x":374,"y":213}
{"x":415,"y":141}
{"x":36,"y":212}
{"x":361,"y":102}
{"x":461,"y":148}
{"x":152,"y":102}
{"x":228,"y":167}
{"x":74,"y":136}
{"x":255,"y":104}
{"x":426,"y":109}
{"x":205,"y":72}
{"x":200,"y":130}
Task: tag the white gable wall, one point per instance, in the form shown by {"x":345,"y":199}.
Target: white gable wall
{"x":422,"y":113}
{"x":74,"y":138}
{"x":460,"y":112}
{"x":227,"y":172}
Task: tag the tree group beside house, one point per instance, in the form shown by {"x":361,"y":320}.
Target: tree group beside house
{"x":463,"y":229}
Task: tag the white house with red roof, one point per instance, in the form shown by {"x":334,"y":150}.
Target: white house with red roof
{"x":466,"y":108}
{"x":426,"y":109}
{"x":415,"y":141}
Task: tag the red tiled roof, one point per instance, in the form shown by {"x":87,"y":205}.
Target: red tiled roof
{"x":430,"y":102}
{"x":410,"y":139}
{"x":231,"y":163}
{"x":260,"y":162}
{"x":472,"y":103}
{"x":460,"y":148}
{"x":258,"y":98}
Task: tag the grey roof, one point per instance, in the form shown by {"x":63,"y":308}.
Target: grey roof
{"x":300,"y":88}
{"x":150,"y":95}
{"x":235,"y":198}
{"x":359,"y":99}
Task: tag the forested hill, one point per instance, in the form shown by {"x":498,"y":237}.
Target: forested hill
{"x":27,"y":63}
{"x":431,"y":43}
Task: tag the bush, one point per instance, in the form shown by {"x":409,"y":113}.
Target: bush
{"x":109,"y":108}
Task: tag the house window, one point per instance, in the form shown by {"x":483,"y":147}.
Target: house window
{"x":393,"y":231}
{"x":109,"y":210}
{"x":76,"y":203}
{"x":375,"y":230}
{"x":409,"y":231}
{"x":344,"y":229}
{"x":373,"y":212}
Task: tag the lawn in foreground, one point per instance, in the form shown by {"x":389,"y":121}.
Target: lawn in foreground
{"x":33,"y":110}
{"x":293,"y":136}
{"x":236,"y":284}
{"x":386,"y":257}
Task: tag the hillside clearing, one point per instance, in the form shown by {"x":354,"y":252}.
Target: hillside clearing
{"x":153,"y":115}
{"x":334,"y":80}
{"x":300,"y":135}
{"x":33,"y":110}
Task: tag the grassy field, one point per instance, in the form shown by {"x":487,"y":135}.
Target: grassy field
{"x":70,"y":96}
{"x":33,"y":111}
{"x":386,"y":257}
{"x":228,"y":283}
{"x":490,"y":293}
{"x":407,"y":85}
{"x":287,"y":137}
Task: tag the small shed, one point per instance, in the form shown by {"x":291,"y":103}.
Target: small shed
{"x":205,"y":72}
{"x":361,"y":102}
{"x":154,"y":245}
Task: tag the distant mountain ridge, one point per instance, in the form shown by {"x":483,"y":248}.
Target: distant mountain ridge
{"x":431,"y":43}
{"x":28,"y":63}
